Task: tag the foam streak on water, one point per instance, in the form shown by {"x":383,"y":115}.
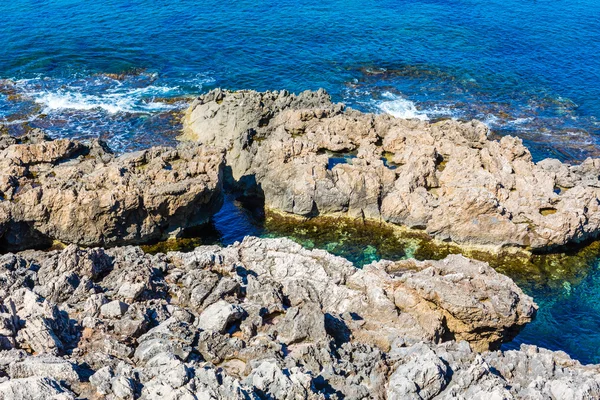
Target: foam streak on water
{"x":128,"y":111}
{"x":111,"y":103}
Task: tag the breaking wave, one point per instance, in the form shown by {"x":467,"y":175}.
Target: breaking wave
{"x":117,"y":108}
{"x":113,"y":103}
{"x":401,"y":107}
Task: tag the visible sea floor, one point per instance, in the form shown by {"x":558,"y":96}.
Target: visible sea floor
{"x":123,"y":71}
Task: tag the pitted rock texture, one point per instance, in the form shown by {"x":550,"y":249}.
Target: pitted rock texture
{"x":77,"y":193}
{"x":308,"y":156}
{"x":267,"y":319}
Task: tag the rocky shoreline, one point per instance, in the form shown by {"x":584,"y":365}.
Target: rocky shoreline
{"x":68,"y":191}
{"x":308,"y":156}
{"x":267,"y":318}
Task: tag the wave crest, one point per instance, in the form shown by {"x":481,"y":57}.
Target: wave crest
{"x":401,"y":107}
{"x":127,"y":102}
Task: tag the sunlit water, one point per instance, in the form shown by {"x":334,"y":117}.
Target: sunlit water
{"x":124,"y":70}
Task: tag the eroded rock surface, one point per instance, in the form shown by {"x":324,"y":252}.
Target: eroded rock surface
{"x":77,"y":193}
{"x":308,"y":156}
{"x":266,"y":318}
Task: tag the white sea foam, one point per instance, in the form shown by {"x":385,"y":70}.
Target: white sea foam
{"x":18,"y":121}
{"x":520,"y":121}
{"x":401,"y":107}
{"x":491,"y":121}
{"x":112,"y":103}
{"x":102,"y":93}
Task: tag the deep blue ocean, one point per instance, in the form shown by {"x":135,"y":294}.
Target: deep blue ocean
{"x":121,"y":69}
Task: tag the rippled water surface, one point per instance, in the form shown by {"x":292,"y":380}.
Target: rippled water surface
{"x":105,"y":68}
{"x":122,"y":70}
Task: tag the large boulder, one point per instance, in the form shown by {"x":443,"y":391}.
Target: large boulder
{"x":452,"y":370}
{"x":81,"y":193}
{"x":306,"y":155}
{"x":454,"y":298}
{"x":34,"y":388}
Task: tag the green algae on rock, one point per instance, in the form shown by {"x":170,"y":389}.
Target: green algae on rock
{"x":359,"y":241}
{"x":175,"y":244}
{"x":365,"y":241}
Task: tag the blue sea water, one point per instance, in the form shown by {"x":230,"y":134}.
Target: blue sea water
{"x":121,"y":69}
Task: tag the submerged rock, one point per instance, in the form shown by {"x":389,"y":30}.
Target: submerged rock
{"x":266,"y":318}
{"x":308,"y":156}
{"x":76,"y":193}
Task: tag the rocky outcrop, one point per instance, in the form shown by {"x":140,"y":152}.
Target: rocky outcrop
{"x":266,"y":318}
{"x":308,"y":156}
{"x":452,"y":371}
{"x":76,"y":193}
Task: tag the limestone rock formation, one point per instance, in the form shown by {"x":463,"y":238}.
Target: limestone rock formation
{"x":76,"y":193}
{"x":266,"y":318}
{"x":308,"y":156}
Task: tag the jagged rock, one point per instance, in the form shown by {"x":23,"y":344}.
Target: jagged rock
{"x":132,"y":198}
{"x":134,"y":323}
{"x":133,"y":275}
{"x":8,"y":357}
{"x":273,"y":320}
{"x":101,"y":380}
{"x":46,"y":366}
{"x":390,"y":298}
{"x":211,"y":384}
{"x":34,"y":388}
{"x":216,"y":348}
{"x":534,"y":370}
{"x":61,"y":274}
{"x":37,"y":321}
{"x":218,"y":316}
{"x":163,"y":373}
{"x":7,"y":331}
{"x":302,"y":324}
{"x":172,"y":336}
{"x":421,"y":376}
{"x":119,"y":384}
{"x":307,"y":156}
{"x":114,"y":309}
{"x":268,"y":377}
{"x":469,"y":297}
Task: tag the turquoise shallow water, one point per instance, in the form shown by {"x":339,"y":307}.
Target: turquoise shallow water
{"x":121,"y":69}
{"x":566,"y":287}
{"x":569,"y":317}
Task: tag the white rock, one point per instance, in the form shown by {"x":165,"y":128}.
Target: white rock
{"x":114,"y":309}
{"x":218,"y":316}
{"x":35,"y":388}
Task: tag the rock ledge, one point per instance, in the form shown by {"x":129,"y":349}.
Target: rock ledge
{"x":81,"y":193}
{"x":308,"y":156}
